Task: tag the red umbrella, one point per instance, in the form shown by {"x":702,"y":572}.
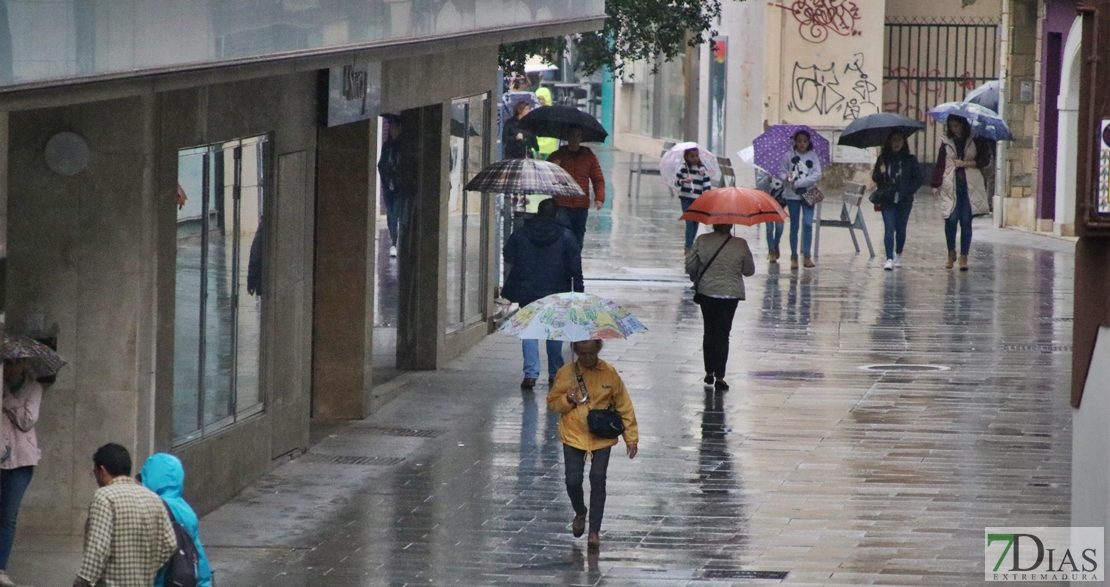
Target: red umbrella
{"x":745,"y":206}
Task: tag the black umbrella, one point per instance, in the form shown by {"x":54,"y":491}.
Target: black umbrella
{"x":553,"y":121}
{"x":872,"y":130}
{"x":986,"y":95}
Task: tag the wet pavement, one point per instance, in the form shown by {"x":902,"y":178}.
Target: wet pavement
{"x":812,"y":470}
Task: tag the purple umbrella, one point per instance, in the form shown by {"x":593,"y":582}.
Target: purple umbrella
{"x":772,"y":146}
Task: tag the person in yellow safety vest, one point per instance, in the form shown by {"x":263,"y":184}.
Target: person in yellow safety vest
{"x":548,"y":145}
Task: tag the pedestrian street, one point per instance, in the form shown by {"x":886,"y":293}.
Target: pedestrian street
{"x":877,"y":423}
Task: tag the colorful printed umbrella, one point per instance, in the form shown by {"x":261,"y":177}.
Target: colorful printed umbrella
{"x":675,"y":159}
{"x":44,"y":361}
{"x":732,"y":205}
{"x":524,"y":176}
{"x":772,"y":146}
{"x":984,"y":122}
{"x":572,"y":317}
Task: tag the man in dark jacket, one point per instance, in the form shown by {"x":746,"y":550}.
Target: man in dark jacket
{"x":543,"y":258}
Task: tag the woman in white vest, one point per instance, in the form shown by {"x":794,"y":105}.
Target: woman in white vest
{"x":958,"y":182}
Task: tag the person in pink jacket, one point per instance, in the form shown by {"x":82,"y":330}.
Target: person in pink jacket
{"x":20,"y":451}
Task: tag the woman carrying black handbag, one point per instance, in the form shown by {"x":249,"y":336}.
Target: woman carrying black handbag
{"x":585,"y":386}
{"x":898,"y":177}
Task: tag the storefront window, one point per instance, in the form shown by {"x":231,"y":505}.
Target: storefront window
{"x":218,"y":316}
{"x":656,"y":101}
{"x":465,"y":274}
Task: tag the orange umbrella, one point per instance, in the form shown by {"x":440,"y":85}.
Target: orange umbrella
{"x":745,"y":206}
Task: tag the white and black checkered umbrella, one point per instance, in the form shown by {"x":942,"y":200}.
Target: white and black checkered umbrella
{"x":524,"y":176}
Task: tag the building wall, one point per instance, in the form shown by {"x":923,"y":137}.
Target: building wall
{"x":1019,"y":55}
{"x":1054,"y":22}
{"x":904,"y":9}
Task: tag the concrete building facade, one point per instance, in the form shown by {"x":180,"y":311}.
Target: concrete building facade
{"x":215,"y":325}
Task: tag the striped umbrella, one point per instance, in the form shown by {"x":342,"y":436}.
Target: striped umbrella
{"x":44,"y":361}
{"x":732,"y":205}
{"x":524,"y":176}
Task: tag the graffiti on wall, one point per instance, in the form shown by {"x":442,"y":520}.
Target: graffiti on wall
{"x":818,"y":19}
{"x":819,"y":89}
{"x":917,"y":90}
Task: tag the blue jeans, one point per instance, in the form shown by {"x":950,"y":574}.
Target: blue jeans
{"x":895,"y":219}
{"x":13,"y":483}
{"x":392,"y":201}
{"x":774,"y":235}
{"x":691,"y":226}
{"x":575,"y":220}
{"x":800,"y":209}
{"x":960,"y":218}
{"x":532,"y":357}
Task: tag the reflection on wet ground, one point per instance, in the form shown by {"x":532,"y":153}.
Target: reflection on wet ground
{"x":812,"y":470}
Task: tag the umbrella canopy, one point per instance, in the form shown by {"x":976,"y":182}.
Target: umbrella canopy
{"x":986,"y":95}
{"x":874,"y":129}
{"x":733,"y":205}
{"x":572,"y":317}
{"x":984,"y":122}
{"x":674,"y":159}
{"x":747,"y":155}
{"x":536,"y":63}
{"x":554,"y":121}
{"x":772,"y":146}
{"x":524,"y":176}
{"x":44,"y":361}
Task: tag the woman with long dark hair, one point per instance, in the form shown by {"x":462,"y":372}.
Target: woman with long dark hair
{"x":898,"y":177}
{"x":958,"y":182}
{"x":801,"y":170}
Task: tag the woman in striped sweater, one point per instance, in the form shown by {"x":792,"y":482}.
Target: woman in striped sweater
{"x":692,"y":180}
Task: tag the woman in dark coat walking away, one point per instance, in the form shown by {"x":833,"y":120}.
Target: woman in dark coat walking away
{"x":898,"y":177}
{"x":718,"y":264}
{"x":519,"y":143}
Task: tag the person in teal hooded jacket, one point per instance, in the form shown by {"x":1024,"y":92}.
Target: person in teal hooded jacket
{"x":164,"y":475}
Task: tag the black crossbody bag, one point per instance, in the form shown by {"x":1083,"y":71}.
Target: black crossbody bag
{"x":603,"y":423}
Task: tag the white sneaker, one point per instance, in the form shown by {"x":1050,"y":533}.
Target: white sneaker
{"x":889,"y":265}
{"x":5,"y":581}
{"x":897,"y":260}
{"x":392,"y":255}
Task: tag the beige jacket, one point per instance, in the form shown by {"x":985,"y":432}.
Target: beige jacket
{"x":976,"y":185}
{"x":725,"y":276}
{"x":17,"y":426}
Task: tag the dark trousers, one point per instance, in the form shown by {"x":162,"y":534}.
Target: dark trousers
{"x":575,"y":220}
{"x":895,"y":219}
{"x":392,"y":201}
{"x":717,"y":314}
{"x":575,"y":460}
{"x":960,"y":218}
{"x":13,"y":483}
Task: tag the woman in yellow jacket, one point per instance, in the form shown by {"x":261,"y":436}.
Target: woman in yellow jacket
{"x":604,"y":387}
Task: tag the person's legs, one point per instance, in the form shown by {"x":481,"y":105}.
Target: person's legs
{"x":965,"y":228}
{"x":574,"y":461}
{"x":577,"y":221}
{"x":890,"y":213}
{"x":531,"y":348}
{"x":901,"y":221}
{"x":795,"y":208}
{"x":13,"y":483}
{"x":807,"y":227}
{"x":950,"y":225}
{"x":554,"y":357}
{"x":598,"y":468}
{"x":392,"y":216}
{"x":691,"y":226}
{"x":708,"y":338}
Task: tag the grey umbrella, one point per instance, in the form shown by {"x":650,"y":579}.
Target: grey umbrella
{"x":986,"y":95}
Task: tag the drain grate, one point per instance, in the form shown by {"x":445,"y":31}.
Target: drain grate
{"x":353,"y":460}
{"x":738,"y":574}
{"x":1040,"y":348}
{"x":904,"y":368}
{"x":404,"y":432}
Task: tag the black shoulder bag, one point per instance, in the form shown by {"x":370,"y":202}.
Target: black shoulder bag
{"x":698,"y":298}
{"x":603,"y":423}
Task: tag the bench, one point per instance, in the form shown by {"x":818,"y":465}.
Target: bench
{"x":636,"y":167}
{"x":851,"y":216}
{"x":728,"y":174}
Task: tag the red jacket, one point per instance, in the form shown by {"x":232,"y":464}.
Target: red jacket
{"x":584,"y":167}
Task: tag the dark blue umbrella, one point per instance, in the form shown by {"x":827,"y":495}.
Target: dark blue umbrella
{"x":986,"y":95}
{"x":874,"y":129}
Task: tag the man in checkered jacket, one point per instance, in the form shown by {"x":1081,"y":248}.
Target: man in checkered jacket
{"x":128,"y":535}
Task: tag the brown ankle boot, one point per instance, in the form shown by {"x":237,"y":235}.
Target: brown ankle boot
{"x":951,"y":260}
{"x":963,"y":262}
{"x":807,"y":262}
{"x":793,"y":262}
{"x":773,"y":256}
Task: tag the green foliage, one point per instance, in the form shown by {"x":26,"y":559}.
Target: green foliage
{"x":634,"y":30}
